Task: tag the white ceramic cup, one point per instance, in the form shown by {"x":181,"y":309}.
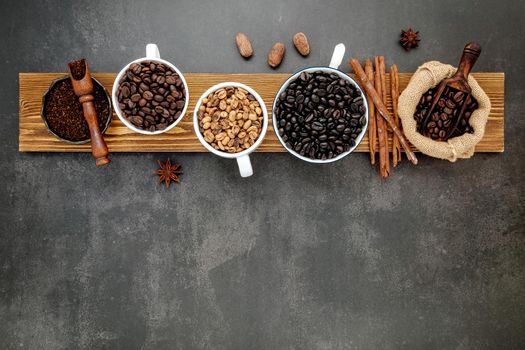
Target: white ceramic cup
{"x":335,"y":62}
{"x":152,"y":54}
{"x":243,"y":158}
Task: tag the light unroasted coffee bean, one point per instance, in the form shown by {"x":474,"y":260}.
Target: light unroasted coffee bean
{"x":230,"y":119}
{"x":320,"y":115}
{"x":151,"y":95}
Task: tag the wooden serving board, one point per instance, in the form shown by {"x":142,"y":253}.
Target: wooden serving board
{"x":34,"y":137}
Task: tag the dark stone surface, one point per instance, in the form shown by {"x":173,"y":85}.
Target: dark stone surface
{"x":295,"y":257}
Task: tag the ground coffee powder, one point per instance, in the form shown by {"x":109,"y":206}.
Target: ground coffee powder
{"x":63,"y":112}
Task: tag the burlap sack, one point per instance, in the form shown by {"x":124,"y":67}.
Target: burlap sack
{"x":427,"y":76}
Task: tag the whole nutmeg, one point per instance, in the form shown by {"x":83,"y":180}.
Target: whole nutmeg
{"x":301,"y":43}
{"x":276,"y":55}
{"x":244,"y":45}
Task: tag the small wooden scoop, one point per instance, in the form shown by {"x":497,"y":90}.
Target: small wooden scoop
{"x":83,"y":87}
{"x":456,"y":86}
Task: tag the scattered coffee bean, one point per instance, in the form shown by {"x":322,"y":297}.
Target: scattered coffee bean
{"x":151,"y":95}
{"x":244,"y":45}
{"x":301,"y":43}
{"x":322,"y":113}
{"x":230,"y":119}
{"x":276,"y":55}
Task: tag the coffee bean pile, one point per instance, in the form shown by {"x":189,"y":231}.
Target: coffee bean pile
{"x":230,"y":119}
{"x":320,"y":115}
{"x":445,"y":115}
{"x":151,"y":95}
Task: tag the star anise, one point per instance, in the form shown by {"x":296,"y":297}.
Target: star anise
{"x":168,"y":172}
{"x":409,"y":39}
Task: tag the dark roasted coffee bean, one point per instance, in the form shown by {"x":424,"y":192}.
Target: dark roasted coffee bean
{"x":458,"y":96}
{"x":135,"y":68}
{"x":317,"y":126}
{"x":125,"y":92}
{"x":180,"y":104}
{"x":137,"y":120}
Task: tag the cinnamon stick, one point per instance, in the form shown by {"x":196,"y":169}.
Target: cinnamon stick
{"x":394,"y":92}
{"x":372,"y":129}
{"x":382,"y":133}
{"x":380,"y":106}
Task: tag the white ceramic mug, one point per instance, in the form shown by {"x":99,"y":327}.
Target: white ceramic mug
{"x":335,"y":62}
{"x":243,"y":158}
{"x":152,"y":54}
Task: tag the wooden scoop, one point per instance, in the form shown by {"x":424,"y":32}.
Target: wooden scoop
{"x":458,"y":83}
{"x":83,"y":87}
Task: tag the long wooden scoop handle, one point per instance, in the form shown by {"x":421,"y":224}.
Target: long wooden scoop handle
{"x":83,"y":87}
{"x":372,"y":93}
{"x":469,"y":57}
{"x":99,"y":149}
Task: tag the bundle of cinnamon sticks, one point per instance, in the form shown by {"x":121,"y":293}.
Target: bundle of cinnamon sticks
{"x":381,"y":123}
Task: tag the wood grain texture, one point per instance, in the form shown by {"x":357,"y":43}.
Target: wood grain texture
{"x":34,"y":137}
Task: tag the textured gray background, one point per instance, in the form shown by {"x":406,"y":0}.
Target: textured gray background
{"x":295,"y":257}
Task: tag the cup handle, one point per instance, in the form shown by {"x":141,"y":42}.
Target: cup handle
{"x":152,"y":51}
{"x":245,"y":166}
{"x":337,"y":56}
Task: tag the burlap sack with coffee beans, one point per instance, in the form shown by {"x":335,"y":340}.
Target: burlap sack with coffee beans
{"x":427,"y":76}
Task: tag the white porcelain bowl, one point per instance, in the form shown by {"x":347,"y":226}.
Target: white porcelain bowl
{"x":243,"y":158}
{"x":152,"y":54}
{"x":337,"y":58}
